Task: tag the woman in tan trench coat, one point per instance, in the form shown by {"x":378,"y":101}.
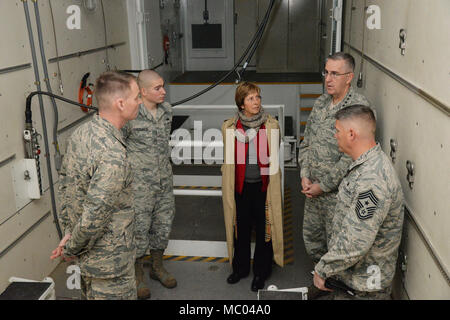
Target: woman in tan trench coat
{"x":251,"y":188}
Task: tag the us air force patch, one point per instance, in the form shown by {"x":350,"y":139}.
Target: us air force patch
{"x":366,"y":205}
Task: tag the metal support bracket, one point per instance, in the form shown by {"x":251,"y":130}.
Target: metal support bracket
{"x":411,"y":172}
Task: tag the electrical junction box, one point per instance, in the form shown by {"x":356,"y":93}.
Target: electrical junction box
{"x":25,"y":182}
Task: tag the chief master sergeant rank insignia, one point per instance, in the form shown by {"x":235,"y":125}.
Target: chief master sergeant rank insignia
{"x":366,"y":205}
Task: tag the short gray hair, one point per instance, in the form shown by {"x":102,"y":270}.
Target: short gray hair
{"x":111,"y":82}
{"x":347,"y":57}
{"x":356,"y":111}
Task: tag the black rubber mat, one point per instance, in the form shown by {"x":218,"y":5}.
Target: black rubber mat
{"x":25,"y":290}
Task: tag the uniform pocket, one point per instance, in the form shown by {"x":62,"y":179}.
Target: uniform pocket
{"x":167,"y":129}
{"x":346,"y":193}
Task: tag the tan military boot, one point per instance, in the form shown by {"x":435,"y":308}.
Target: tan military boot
{"x":157,"y":271}
{"x":143,"y":292}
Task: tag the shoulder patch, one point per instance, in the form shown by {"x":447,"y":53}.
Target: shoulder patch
{"x":366,"y":205}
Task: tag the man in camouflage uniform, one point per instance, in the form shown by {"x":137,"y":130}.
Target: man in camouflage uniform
{"x":322,"y":165}
{"x":148,"y":149}
{"x":367,"y":225}
{"x":96,"y":197}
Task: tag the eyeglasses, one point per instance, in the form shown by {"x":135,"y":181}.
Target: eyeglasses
{"x":333,"y":74}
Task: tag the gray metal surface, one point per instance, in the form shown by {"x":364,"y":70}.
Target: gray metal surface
{"x":303,"y":36}
{"x":271,"y":55}
{"x":287,"y":47}
{"x":413,"y":88}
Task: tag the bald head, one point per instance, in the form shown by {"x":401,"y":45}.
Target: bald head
{"x":147,"y":77}
{"x":151,"y":86}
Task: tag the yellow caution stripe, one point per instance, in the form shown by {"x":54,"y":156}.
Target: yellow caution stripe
{"x":288,"y":228}
{"x":197,"y":188}
{"x":189,"y":258}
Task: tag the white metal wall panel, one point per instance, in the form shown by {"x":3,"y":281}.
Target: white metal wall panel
{"x":421,"y":130}
{"x":24,"y":258}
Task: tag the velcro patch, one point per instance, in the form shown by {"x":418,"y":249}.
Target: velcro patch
{"x":366,"y":205}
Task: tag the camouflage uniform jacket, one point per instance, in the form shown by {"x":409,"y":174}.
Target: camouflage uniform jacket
{"x":95,"y":199}
{"x":148,"y":147}
{"x":367,"y":225}
{"x":319,"y":157}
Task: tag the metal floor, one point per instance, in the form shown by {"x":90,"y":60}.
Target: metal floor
{"x":201,"y":219}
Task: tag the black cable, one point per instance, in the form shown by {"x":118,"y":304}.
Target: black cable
{"x":206,"y":13}
{"x":130,"y":71}
{"x":255,"y":37}
{"x":29,"y":124}
{"x":138,"y":71}
{"x":250,"y":56}
{"x":32,"y":94}
{"x":44,"y":125}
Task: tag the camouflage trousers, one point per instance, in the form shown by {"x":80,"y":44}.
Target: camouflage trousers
{"x":120,"y":288}
{"x":154,"y":209}
{"x":317,"y":224}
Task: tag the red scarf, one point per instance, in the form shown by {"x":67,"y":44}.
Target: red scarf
{"x":263,"y":162}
